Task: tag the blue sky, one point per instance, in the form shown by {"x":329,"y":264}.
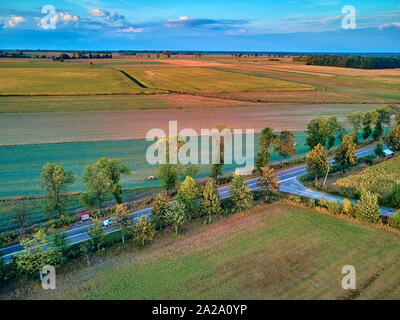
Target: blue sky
{"x":286,"y":25}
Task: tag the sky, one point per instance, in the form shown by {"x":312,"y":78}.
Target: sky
{"x":207,"y":25}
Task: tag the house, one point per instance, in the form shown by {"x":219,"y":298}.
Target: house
{"x":388,"y":153}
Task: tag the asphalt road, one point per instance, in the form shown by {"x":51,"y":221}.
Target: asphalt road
{"x":288,"y":181}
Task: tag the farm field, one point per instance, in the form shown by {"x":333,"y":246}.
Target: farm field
{"x":379,"y":178}
{"x":20,"y":166}
{"x":270,"y":252}
{"x":134,"y":124}
{"x":65,"y":81}
{"x":191,"y":79}
{"x":217,"y":77}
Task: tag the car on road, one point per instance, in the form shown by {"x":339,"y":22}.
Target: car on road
{"x":107,"y":223}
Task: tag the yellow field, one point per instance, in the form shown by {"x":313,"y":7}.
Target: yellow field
{"x":195,"y":79}
{"x":380,"y":178}
{"x":65,"y":81}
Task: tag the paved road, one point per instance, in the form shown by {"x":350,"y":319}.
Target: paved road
{"x":288,"y":181}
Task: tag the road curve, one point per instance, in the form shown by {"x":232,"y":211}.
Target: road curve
{"x":288,"y":182}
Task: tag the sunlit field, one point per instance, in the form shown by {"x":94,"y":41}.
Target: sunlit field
{"x":270,"y":252}
{"x":189,"y":79}
{"x":380,"y":178}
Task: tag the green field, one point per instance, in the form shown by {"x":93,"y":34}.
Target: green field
{"x":28,"y":104}
{"x":190,"y":79}
{"x":20,"y":166}
{"x":379,"y":178}
{"x":65,"y":81}
{"x":270,"y":252}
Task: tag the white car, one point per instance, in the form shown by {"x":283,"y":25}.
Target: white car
{"x":107,"y":223}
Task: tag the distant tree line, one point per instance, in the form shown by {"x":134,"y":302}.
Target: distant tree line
{"x":359,"y":62}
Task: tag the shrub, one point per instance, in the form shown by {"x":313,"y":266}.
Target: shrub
{"x":189,"y":195}
{"x":346,"y":206}
{"x":395,"y":220}
{"x":242,"y":196}
{"x":323,"y":203}
{"x":311,"y":203}
{"x":334,"y":207}
{"x":368,"y":209}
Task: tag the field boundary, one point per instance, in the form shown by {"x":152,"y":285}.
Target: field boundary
{"x":133,"y":79}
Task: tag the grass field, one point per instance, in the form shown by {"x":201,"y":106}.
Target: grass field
{"x":20,"y":166}
{"x":255,"y":80}
{"x":271,"y":252}
{"x":191,"y":79}
{"x":65,"y":81}
{"x":379,"y":178}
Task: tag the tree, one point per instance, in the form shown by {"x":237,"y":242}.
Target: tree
{"x":189,"y":195}
{"x":345,"y":154}
{"x":242,"y":196}
{"x":393,"y":138}
{"x":356,"y":120}
{"x":143,"y":231}
{"x":317,"y":162}
{"x":190,"y":170}
{"x":378,"y":131}
{"x":36,"y":254}
{"x":55,"y":180}
{"x":211,"y":203}
{"x":96,"y":234}
{"x":370,"y":119}
{"x":393,"y":198}
{"x":317,"y":132}
{"x":114,"y":169}
{"x":217,"y":165}
{"x":20,"y":215}
{"x":379,"y":150}
{"x":61,"y":244}
{"x":266,"y":139}
{"x":176,"y":217}
{"x":385,"y":116}
{"x":168,"y":175}
{"x":368,"y":209}
{"x":285,"y":144}
{"x":121,"y":219}
{"x":268,"y":180}
{"x":98,"y":184}
{"x":334,"y":130}
{"x":159,"y":211}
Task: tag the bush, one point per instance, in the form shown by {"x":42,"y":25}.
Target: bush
{"x":334,"y":207}
{"x":349,"y":208}
{"x":395,"y":220}
{"x":311,"y":203}
{"x":323,"y":203}
{"x":368,"y":209}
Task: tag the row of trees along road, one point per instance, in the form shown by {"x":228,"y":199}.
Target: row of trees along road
{"x":322,"y":134}
{"x":101,"y":179}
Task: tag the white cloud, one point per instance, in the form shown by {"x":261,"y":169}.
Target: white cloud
{"x":97,"y":13}
{"x":131,"y":29}
{"x":387,"y":25}
{"x":66,"y":17}
{"x":13,"y":21}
